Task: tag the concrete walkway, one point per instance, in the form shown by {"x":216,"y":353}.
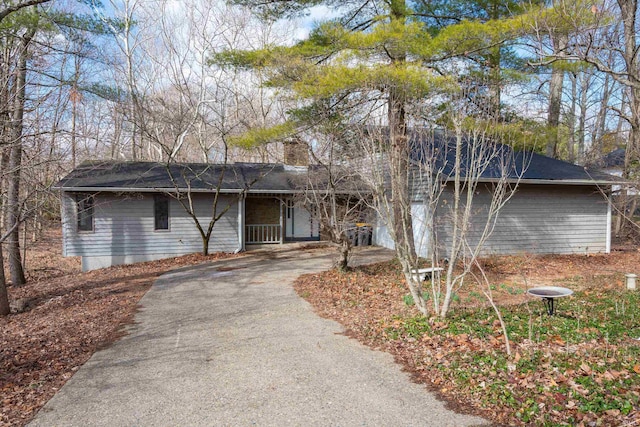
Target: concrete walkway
{"x":231,"y":344}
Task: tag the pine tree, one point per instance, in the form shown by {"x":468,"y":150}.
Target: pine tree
{"x":380,"y":54}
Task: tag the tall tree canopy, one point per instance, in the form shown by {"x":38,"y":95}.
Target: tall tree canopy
{"x":384,"y":60}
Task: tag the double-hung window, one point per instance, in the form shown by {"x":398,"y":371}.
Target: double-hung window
{"x":161,"y":212}
{"x":84,"y":209}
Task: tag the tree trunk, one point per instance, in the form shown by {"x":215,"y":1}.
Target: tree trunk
{"x":5,"y":131}
{"x":602,"y":116}
{"x":495,"y":84}
{"x":343,"y":261}
{"x":13,"y":214}
{"x":131,"y":83}
{"x":402,"y":220}
{"x":74,"y":113}
{"x":628,"y":11}
{"x":585,"y":82}
{"x":205,"y":244}
{"x":5,"y":126}
{"x":458,"y":226}
{"x":555,"y":98}
{"x":399,"y":170}
{"x":571,"y":116}
{"x":4,"y":296}
{"x":399,"y":141}
{"x":15,"y":165}
{"x":117,"y":132}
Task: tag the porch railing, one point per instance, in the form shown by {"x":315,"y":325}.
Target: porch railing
{"x":262,"y":233}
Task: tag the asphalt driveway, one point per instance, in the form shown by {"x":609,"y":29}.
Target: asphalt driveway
{"x":231,"y":344}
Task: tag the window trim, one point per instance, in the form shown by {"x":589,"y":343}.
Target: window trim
{"x":80,"y":201}
{"x":161,"y":198}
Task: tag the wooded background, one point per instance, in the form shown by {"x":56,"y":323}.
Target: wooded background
{"x":149,"y":80}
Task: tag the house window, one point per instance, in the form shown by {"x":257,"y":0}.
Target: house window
{"x":84,"y":208}
{"x":161,"y":212}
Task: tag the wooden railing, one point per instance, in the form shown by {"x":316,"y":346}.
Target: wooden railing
{"x":262,"y":233}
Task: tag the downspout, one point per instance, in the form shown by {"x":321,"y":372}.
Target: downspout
{"x":608,"y":242}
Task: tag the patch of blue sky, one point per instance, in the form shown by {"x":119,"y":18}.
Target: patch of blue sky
{"x":316,"y":14}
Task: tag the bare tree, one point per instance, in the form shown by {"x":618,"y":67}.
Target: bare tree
{"x":335,"y":192}
{"x":128,"y":40}
{"x":15,"y":52}
{"x":193,"y":111}
{"x":476,"y":156}
{"x":377,"y":173}
{"x":33,"y":108}
{"x":14,"y":200}
{"x":448,"y":169}
{"x":559,"y":42}
{"x":605,"y":37}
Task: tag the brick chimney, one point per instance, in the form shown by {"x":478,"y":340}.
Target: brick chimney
{"x":296,"y":153}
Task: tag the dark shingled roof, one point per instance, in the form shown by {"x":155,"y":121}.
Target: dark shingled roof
{"x":525,"y":166}
{"x":150,"y":176}
{"x":614,"y":158}
{"x":277,"y":178}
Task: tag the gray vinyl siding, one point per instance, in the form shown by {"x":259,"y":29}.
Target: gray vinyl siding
{"x":382,"y":236}
{"x":538,"y":219}
{"x":124,"y":226}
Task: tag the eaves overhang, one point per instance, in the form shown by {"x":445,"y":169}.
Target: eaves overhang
{"x":80,"y":189}
{"x":601,"y":183}
{"x":76,"y":189}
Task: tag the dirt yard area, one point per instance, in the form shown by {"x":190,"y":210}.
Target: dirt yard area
{"x":65,"y":316}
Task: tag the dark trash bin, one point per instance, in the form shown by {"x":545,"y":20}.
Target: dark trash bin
{"x":352,"y":235}
{"x":364,"y":235}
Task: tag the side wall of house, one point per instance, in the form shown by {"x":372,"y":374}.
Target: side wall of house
{"x":124,"y":230}
{"x":381,"y":234}
{"x":540,"y":219}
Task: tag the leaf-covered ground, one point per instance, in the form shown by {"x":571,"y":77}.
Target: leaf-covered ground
{"x":68,"y":315}
{"x":580,"y":367}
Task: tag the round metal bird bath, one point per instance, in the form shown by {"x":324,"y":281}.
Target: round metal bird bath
{"x":549,"y":295}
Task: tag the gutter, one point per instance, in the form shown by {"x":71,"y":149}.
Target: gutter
{"x":552,"y":181}
{"x":140,"y":190}
{"x":182,"y":190}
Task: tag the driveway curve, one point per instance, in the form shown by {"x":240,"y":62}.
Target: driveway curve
{"x":231,"y":344}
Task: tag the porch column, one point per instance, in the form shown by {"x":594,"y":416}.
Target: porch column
{"x":282,"y":224}
{"x":241,"y":222}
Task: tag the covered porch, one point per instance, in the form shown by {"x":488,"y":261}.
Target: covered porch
{"x":276,"y":219}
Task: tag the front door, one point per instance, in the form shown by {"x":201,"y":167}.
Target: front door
{"x":299,"y":224}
